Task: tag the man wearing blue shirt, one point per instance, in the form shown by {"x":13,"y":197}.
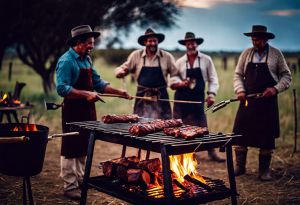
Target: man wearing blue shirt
{"x":76,"y":81}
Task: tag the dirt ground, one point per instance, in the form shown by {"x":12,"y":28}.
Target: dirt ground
{"x":48,"y":187}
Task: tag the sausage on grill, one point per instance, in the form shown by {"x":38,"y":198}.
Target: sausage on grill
{"x":144,"y":128}
{"x":189,"y":132}
{"x":120,"y":118}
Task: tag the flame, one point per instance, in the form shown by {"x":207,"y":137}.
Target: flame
{"x":246,"y":103}
{"x":17,"y":102}
{"x":184,"y":164}
{"x":26,"y":127}
{"x":3,"y":97}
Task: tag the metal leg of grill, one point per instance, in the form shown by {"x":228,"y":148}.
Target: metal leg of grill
{"x":168,"y":189}
{"x":231,"y":175}
{"x":24,"y":192}
{"x":123,"y":151}
{"x":147,"y":155}
{"x":27,"y":190}
{"x":87,"y":171}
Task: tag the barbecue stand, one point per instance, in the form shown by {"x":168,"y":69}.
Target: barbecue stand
{"x":156,"y":142}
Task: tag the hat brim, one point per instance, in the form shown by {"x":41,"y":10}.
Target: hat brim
{"x":260,"y":34}
{"x":198,"y":41}
{"x":90,"y":34}
{"x":159,"y":36}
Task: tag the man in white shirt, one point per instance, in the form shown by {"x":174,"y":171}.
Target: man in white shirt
{"x":195,"y":69}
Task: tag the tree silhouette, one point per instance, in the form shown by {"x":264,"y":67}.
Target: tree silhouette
{"x":39,"y":28}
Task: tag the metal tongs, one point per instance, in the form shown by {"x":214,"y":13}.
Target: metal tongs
{"x":224,"y":103}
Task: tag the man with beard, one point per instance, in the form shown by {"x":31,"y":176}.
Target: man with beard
{"x":194,"y":70}
{"x":151,"y":67}
{"x":260,"y":69}
{"x":76,"y":81}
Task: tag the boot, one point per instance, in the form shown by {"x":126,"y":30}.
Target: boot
{"x":240,"y":157}
{"x":213,"y":156}
{"x":264,"y":167}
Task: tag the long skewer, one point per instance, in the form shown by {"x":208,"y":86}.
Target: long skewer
{"x":120,"y":96}
{"x":181,"y":101}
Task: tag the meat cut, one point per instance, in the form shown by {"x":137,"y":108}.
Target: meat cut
{"x":120,"y":118}
{"x":144,"y":128}
{"x":188,"y":132}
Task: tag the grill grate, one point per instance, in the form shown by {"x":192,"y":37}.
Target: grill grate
{"x":120,"y":132}
{"x":155,"y":195}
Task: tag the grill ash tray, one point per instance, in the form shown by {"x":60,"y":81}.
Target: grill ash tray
{"x":138,"y":195}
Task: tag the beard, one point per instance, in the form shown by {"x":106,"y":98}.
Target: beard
{"x":152,"y":49}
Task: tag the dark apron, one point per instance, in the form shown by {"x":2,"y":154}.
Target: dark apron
{"x":75,"y":110}
{"x":191,"y":114}
{"x":258,"y":123}
{"x":151,"y":82}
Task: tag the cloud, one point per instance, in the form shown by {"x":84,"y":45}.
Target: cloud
{"x":287,"y":12}
{"x":206,"y":4}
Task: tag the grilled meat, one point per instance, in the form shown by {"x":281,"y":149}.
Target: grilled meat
{"x":144,"y":128}
{"x":120,"y":118}
{"x":189,"y":132}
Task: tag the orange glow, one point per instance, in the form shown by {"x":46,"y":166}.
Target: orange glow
{"x":246,"y":103}
{"x":17,"y":102}
{"x":3,"y":98}
{"x":185,"y":164}
{"x":26,"y":127}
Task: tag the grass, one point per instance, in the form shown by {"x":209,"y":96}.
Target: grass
{"x":220,"y":121}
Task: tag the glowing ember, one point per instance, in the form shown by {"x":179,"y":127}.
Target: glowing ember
{"x":184,"y":164}
{"x":26,"y":127}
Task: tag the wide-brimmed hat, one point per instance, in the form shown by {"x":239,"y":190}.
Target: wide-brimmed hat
{"x":79,"y":31}
{"x":150,"y":33}
{"x":261,"y":31}
{"x":189,"y":36}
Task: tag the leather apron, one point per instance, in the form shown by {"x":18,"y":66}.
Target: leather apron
{"x":258,"y":123}
{"x":191,"y":114}
{"x":76,"y":110}
{"x":151,"y":82}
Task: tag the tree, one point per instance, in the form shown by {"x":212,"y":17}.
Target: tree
{"x":45,"y":26}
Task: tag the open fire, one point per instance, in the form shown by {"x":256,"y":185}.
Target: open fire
{"x":146,"y":176}
{"x":25,"y":127}
{"x":6,"y":100}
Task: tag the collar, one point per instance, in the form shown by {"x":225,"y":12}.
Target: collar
{"x":157,"y":54}
{"x":198,"y":56}
{"x":260,"y":57}
{"x":76,"y":55}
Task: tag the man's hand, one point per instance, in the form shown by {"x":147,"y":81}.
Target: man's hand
{"x":121,"y":72}
{"x":182,"y":84}
{"x":125,"y":95}
{"x":210,"y":101}
{"x":93,"y":97}
{"x":241,"y":96}
{"x":269,"y":92}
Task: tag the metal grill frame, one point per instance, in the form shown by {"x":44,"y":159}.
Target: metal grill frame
{"x":157,"y":142}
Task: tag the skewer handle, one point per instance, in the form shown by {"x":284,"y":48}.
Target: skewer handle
{"x":6,"y":140}
{"x":63,"y":135}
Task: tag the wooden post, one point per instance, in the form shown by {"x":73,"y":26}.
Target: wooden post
{"x":10,"y":70}
{"x":296,"y":120}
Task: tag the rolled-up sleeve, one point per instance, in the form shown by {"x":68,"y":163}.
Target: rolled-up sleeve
{"x":98,"y":84}
{"x":64,"y":77}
